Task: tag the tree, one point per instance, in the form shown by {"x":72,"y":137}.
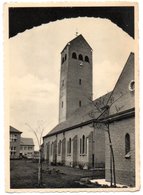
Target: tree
{"x":38,"y":132}
{"x":103,"y":107}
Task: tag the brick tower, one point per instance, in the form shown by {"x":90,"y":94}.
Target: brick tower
{"x":75,"y":77}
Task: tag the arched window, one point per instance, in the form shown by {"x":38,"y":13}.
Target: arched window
{"x":74,"y":56}
{"x":127,"y":144}
{"x":86,"y":59}
{"x":80,"y":57}
{"x":83,"y":144}
{"x":51,"y":148}
{"x":80,"y":146}
{"x":69,"y":145}
{"x":86,"y":145}
{"x":80,"y":103}
{"x":59,"y":147}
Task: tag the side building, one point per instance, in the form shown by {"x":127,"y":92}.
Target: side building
{"x":27,"y":148}
{"x":15,"y":137}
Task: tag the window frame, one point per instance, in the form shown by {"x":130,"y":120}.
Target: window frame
{"x":127,"y":146}
{"x":86,"y":59}
{"x":80,"y":57}
{"x":74,"y":55}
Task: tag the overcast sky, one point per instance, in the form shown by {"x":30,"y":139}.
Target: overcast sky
{"x":35,"y":66}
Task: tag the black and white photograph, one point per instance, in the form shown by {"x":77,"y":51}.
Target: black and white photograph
{"x":72,"y":97}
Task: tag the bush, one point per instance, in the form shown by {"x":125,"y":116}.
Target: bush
{"x":60,"y":164}
{"x":53,"y":164}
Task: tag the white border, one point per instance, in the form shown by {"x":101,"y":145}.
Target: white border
{"x":2,"y":174}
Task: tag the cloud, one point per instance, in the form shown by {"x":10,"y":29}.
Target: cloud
{"x":30,"y":87}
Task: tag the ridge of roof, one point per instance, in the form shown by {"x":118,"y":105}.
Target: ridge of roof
{"x":26,"y":141}
{"x":79,"y":36}
{"x":14,"y":130}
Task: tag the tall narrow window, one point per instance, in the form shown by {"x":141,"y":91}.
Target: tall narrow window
{"x":86,"y":145}
{"x":74,"y":56}
{"x":80,"y":145}
{"x":127,"y":144}
{"x":80,"y":57}
{"x":83,"y":144}
{"x":51,"y":148}
{"x":62,"y":104}
{"x":79,"y":81}
{"x":86,"y":59}
{"x":69,"y":145}
{"x":65,"y":57}
{"x":80,"y":103}
{"x":59,"y":147}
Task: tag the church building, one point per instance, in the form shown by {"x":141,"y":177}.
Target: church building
{"x":81,"y":139}
{"x":75,"y":141}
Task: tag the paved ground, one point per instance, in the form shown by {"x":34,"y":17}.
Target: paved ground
{"x":104,"y":182}
{"x":23,"y":174}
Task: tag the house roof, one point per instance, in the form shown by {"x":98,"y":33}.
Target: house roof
{"x":13,"y":130}
{"x":26,"y":141}
{"x":79,"y":37}
{"x":82,"y":114}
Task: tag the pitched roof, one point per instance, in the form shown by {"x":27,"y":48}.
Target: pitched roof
{"x":13,"y":130}
{"x":121,"y":91}
{"x":79,"y":37}
{"x":82,"y":115}
{"x":26,"y":141}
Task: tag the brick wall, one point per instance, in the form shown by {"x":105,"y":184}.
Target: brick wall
{"x":125,"y":167}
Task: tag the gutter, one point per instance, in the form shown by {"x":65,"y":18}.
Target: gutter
{"x":115,"y":117}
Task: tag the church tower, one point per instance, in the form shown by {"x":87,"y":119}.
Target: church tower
{"x":75,"y":77}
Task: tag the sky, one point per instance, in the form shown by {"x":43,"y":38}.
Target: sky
{"x":34,"y":61}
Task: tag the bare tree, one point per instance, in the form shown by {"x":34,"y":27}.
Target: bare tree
{"x":98,"y":122}
{"x":38,"y":132}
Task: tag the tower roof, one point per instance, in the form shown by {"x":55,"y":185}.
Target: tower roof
{"x":78,"y":38}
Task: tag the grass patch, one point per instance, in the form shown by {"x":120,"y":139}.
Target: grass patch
{"x":23,"y":174}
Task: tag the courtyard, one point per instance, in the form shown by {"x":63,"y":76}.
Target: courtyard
{"x":24,"y":173}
